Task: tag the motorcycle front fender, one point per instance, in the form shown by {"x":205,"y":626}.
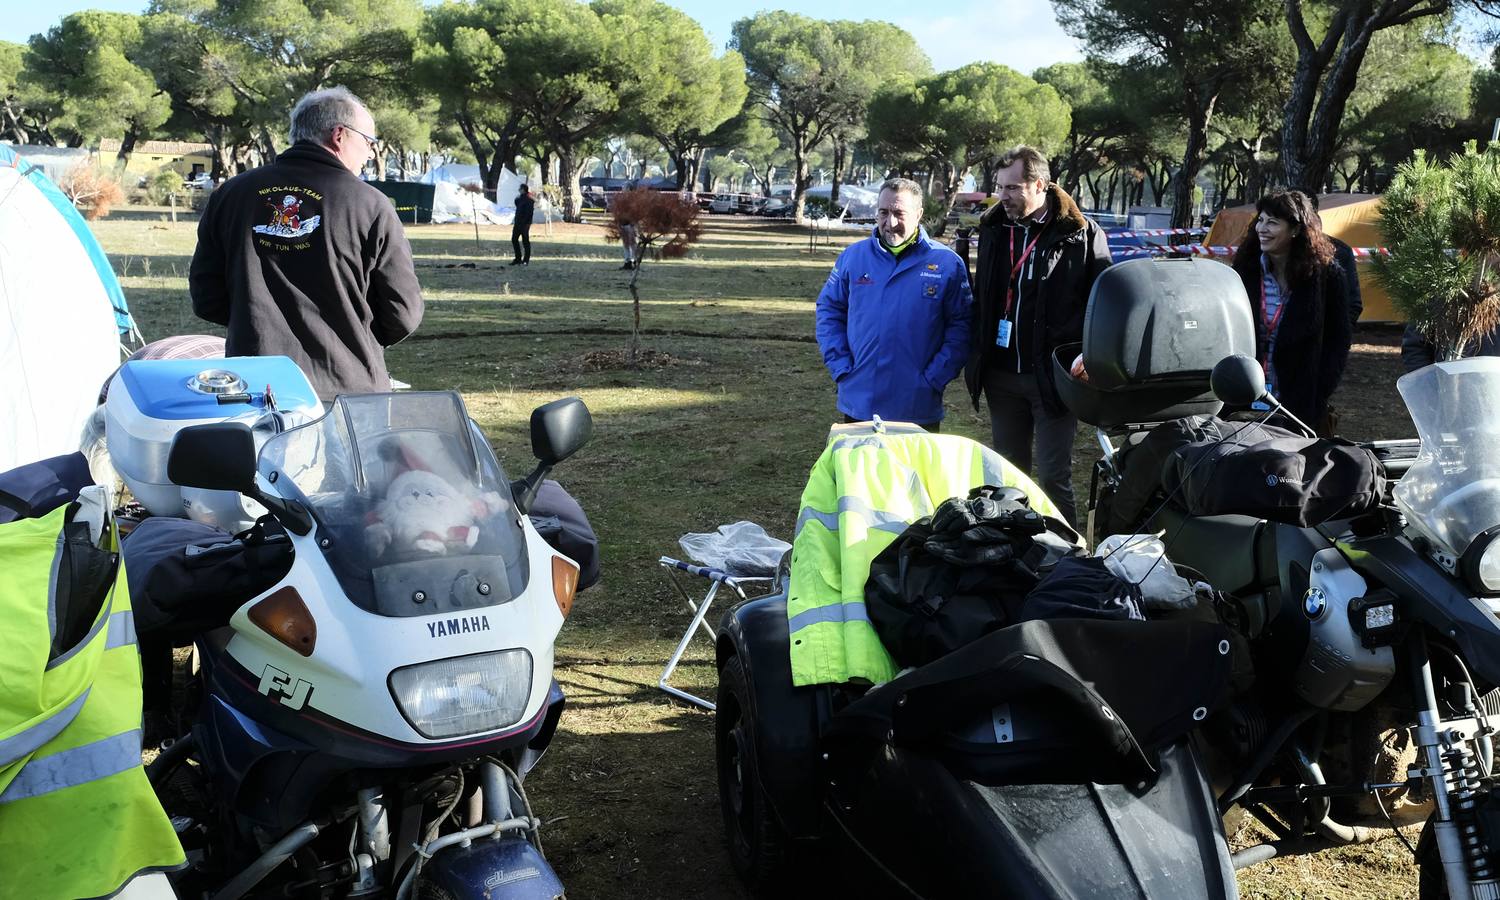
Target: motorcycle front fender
{"x":505,"y":869}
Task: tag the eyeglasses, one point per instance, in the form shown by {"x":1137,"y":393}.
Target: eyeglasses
{"x":369,"y":139}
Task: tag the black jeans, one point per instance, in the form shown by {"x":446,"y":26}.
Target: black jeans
{"x":1017,"y":416}
{"x":520,"y":239}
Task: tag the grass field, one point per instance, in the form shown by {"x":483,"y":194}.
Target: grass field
{"x":722,"y":426}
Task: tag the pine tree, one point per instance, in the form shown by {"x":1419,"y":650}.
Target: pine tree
{"x":1441,"y":223}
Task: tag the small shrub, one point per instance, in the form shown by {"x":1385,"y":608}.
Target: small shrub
{"x":821,"y":208}
{"x":161,"y":186}
{"x":665,"y":223}
{"x":92,"y":190}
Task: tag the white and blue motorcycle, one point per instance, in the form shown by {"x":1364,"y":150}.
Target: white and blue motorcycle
{"x":364,"y":725}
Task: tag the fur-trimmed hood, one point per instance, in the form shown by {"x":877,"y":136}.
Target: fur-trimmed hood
{"x":1068,"y":216}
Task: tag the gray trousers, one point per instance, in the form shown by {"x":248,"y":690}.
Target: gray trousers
{"x":1017,"y":416}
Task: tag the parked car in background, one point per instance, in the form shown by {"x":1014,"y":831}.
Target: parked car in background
{"x":776,"y":208}
{"x":198,"y":181}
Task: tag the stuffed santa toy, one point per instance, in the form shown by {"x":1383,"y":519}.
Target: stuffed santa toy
{"x":423,"y":512}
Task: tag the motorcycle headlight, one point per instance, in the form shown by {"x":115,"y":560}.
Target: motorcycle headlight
{"x":1487,"y":570}
{"x":464,"y":695}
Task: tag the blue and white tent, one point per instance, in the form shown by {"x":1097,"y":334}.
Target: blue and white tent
{"x":62,"y":317}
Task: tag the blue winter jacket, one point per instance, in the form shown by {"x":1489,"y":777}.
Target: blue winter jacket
{"x":894,"y":330}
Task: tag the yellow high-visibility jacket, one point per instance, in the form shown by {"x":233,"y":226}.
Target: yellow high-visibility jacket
{"x":77,"y":815}
{"x":863,"y":492}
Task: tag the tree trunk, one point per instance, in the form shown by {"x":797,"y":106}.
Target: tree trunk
{"x":12,"y":122}
{"x":1324,"y":78}
{"x":680,"y":163}
{"x":569,"y":171}
{"x":1200,"y":112}
{"x":840,"y":156}
{"x":801,"y":177}
{"x":1114,"y":178}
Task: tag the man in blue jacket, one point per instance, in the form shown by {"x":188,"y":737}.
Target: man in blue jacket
{"x":893,"y":317}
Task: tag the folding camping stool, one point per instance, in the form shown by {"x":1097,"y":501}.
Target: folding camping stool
{"x":716,"y":577}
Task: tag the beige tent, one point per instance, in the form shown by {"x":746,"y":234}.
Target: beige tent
{"x":1352,"y":218}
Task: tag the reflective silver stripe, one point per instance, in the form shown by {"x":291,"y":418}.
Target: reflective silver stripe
{"x":79,"y":765}
{"x":834,"y":612}
{"x":878,"y":519}
{"x":863,"y":440}
{"x":917,"y":491}
{"x":18,"y":745}
{"x":829,"y":520}
{"x":993,"y":466}
{"x":52,"y":588}
{"x":121,"y":630}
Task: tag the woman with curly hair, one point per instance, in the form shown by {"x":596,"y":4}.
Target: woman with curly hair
{"x":1298,"y":298}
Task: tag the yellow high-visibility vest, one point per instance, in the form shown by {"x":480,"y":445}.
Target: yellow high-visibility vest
{"x":77,"y":815}
{"x":863,"y":492}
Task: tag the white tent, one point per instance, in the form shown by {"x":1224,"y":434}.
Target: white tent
{"x":452,"y":203}
{"x":61,"y":316}
{"x":859,"y":202}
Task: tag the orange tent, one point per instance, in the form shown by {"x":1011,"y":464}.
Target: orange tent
{"x":1352,"y":218}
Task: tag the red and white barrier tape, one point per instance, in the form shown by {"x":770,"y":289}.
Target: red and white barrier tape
{"x":1208,"y":250}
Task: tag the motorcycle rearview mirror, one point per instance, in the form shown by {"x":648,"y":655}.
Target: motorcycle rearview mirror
{"x":1238,"y":380}
{"x":220,"y":456}
{"x":558,"y":430}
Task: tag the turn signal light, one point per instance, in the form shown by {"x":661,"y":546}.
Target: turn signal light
{"x":284,"y":617}
{"x":564,"y":583}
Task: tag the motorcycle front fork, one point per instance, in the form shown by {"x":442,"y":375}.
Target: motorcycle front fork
{"x":1447,"y":760}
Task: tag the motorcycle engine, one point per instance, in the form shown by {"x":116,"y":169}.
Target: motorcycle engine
{"x":1336,"y":671}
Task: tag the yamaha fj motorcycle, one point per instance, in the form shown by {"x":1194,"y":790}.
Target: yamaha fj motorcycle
{"x":363,"y":726}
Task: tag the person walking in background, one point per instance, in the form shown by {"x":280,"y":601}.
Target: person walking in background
{"x":520,"y":230}
{"x":893,"y":317}
{"x":300,"y":258}
{"x":1299,"y":301}
{"x":628,"y":242}
{"x":1039,"y":256}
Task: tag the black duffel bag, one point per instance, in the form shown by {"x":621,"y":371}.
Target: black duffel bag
{"x":961,"y":573}
{"x":1293,"y":480}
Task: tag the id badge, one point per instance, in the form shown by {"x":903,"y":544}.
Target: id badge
{"x":1002,"y":337}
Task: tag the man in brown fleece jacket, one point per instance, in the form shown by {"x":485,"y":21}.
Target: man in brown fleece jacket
{"x":301,"y":258}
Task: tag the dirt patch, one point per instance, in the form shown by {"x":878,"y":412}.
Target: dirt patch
{"x":646,"y":358}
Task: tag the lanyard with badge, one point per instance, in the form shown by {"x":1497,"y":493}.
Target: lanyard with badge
{"x":1002,"y":337}
{"x":1272,"y":323}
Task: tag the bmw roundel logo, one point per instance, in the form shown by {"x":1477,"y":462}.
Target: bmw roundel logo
{"x":1314,"y":603}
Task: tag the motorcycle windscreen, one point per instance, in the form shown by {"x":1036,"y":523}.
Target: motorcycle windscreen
{"x":413,"y":511}
{"x":1452,"y":492}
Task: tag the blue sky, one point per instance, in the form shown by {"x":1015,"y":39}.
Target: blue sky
{"x":1023,"y":37}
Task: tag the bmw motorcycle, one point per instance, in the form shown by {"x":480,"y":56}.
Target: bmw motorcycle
{"x":1375,"y":639}
{"x":364,"y":726}
{"x":1374,"y":635}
